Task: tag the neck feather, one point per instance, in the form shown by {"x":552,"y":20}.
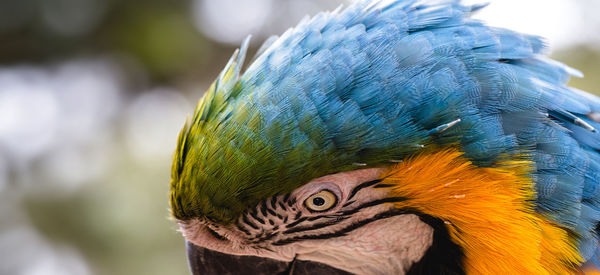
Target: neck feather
{"x":488,"y":212}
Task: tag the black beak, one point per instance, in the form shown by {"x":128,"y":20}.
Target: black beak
{"x":205,"y":261}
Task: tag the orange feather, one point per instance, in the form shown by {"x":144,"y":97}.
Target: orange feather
{"x":489,"y":212}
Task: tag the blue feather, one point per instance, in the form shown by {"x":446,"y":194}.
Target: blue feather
{"x":374,"y":81}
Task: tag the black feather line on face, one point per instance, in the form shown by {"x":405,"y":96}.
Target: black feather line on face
{"x":347,"y":229}
{"x":246,"y":221}
{"x":267,"y":209}
{"x":315,"y":226}
{"x":371,"y":204}
{"x":443,"y":257}
{"x":361,"y":186}
{"x":298,"y":215}
{"x":298,"y":221}
{"x":244,"y":230}
{"x":215,"y":234}
{"x":263,"y":208}
{"x":255,"y":216}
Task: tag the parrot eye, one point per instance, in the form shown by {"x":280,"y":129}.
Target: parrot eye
{"x":321,"y":201}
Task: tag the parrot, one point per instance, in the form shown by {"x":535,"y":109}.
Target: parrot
{"x":391,"y":137}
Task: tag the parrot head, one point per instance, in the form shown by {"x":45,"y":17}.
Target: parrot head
{"x":282,"y":190}
{"x":387,"y":138}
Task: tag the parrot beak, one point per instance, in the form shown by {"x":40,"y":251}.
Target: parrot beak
{"x":205,"y":261}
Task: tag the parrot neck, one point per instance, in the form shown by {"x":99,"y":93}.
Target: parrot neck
{"x":488,"y":212}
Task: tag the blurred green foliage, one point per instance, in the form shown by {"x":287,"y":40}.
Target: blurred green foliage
{"x":121,"y":224}
{"x":156,"y":34}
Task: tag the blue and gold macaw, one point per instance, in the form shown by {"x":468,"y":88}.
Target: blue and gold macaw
{"x":391,"y":137}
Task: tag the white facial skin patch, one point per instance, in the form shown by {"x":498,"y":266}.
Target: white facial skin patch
{"x":360,"y":233}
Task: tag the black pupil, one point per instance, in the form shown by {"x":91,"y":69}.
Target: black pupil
{"x":318,"y":201}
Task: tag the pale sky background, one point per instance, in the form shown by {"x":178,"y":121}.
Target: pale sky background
{"x":563,"y":22}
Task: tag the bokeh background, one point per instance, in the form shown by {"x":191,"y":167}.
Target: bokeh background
{"x":94,"y":92}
